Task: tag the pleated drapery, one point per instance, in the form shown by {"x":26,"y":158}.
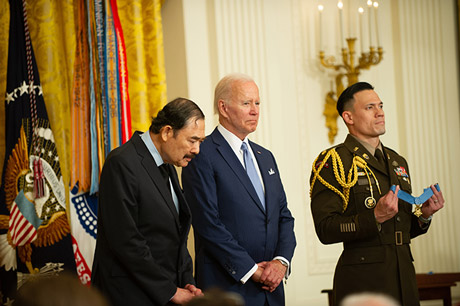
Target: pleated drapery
{"x":53,"y":31}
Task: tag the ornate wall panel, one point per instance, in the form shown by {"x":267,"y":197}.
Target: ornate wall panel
{"x":429,"y":120}
{"x":241,"y":45}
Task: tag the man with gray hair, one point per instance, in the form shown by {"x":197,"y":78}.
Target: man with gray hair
{"x":244,"y":238}
{"x":369,"y":299}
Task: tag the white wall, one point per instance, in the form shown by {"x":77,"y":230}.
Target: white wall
{"x":277,"y":42}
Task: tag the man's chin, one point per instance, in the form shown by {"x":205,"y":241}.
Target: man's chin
{"x":184,"y":162}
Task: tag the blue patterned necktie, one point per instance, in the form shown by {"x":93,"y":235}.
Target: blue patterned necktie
{"x":252,"y":173}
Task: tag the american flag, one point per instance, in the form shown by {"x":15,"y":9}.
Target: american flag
{"x":23,"y":221}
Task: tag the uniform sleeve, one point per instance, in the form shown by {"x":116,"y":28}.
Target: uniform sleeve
{"x":332,"y":224}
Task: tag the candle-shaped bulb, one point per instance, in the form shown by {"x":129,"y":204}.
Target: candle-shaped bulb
{"x":342,"y":40}
{"x":376,"y":5}
{"x":361,"y":37}
{"x":320,"y":10}
{"x":369,"y":8}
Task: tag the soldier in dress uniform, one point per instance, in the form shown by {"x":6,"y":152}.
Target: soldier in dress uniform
{"x":352,"y":203}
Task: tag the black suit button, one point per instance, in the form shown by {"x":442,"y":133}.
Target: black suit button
{"x":398,"y":219}
{"x":362,"y":259}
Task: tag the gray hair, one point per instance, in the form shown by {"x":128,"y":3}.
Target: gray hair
{"x":223,"y":89}
{"x":369,"y":299}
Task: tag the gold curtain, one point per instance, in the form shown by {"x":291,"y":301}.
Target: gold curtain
{"x":52,"y":30}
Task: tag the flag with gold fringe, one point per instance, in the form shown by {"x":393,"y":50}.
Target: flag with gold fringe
{"x":101,"y":119}
{"x":34,"y":229}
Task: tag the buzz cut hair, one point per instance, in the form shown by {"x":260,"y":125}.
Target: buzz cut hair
{"x":346,"y":99}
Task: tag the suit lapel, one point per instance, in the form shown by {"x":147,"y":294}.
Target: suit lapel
{"x":392,"y":165}
{"x":232,"y":160}
{"x":155,"y":175}
{"x":184,"y":210}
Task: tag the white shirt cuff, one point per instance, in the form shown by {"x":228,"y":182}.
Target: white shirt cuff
{"x":284,"y":260}
{"x":248,"y":275}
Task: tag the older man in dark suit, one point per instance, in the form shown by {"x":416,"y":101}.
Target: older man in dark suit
{"x":243,"y":228}
{"x":141,"y":252}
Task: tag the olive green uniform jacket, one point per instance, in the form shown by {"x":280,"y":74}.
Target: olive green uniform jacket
{"x":375,"y":258}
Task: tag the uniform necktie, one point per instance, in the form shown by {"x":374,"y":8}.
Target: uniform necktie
{"x":379,"y":156}
{"x":252,"y":173}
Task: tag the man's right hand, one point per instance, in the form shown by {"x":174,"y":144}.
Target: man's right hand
{"x":387,"y":206}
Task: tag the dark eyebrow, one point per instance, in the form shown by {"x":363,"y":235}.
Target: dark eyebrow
{"x":198,"y":138}
{"x":379,"y":103}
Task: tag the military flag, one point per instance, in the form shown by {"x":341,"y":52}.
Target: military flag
{"x":101,"y":119}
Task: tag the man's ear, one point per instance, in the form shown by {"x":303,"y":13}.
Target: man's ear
{"x":222,"y":106}
{"x":166,"y":132}
{"x":348,"y":117}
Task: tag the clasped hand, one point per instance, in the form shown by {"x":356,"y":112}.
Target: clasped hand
{"x":269,"y":274}
{"x":183,"y":295}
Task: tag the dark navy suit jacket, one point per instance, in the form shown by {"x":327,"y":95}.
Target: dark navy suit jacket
{"x":232,"y":230}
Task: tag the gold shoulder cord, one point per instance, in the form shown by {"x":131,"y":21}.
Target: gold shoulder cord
{"x":347,"y":183}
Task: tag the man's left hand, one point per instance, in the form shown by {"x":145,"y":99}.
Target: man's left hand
{"x":273,"y":274}
{"x":433,"y":204}
{"x":194,"y":290}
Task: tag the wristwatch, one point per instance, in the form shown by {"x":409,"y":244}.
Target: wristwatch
{"x":283,"y":263}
